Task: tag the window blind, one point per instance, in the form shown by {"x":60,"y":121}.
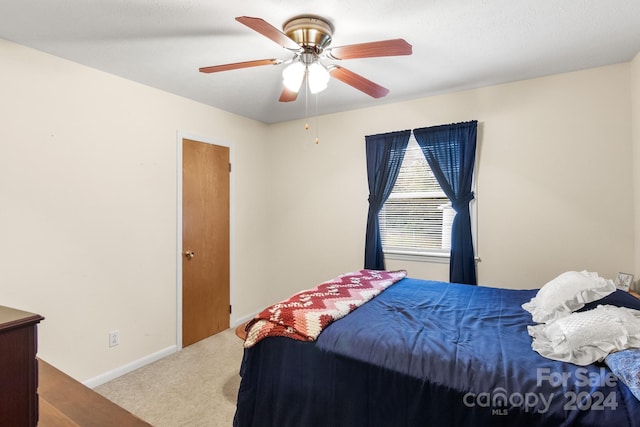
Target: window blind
{"x":416,"y":217}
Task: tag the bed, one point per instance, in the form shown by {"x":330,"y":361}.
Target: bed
{"x":426,"y":353}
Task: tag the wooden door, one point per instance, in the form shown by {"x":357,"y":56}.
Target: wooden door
{"x":205,"y":240}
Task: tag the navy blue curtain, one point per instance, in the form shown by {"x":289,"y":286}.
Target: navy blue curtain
{"x":384,"y":158}
{"x":450,"y":151}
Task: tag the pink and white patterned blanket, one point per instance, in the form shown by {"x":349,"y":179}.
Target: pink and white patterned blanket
{"x":303,"y":316}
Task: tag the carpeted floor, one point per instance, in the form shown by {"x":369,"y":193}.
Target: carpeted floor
{"x":196,"y":386}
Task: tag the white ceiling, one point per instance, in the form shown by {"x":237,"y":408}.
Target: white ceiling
{"x":457,"y":44}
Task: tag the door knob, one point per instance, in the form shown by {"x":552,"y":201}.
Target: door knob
{"x":189,"y":255}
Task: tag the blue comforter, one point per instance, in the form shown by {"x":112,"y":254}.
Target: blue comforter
{"x":427,"y":353}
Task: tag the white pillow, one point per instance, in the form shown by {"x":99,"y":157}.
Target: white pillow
{"x":585,"y":337}
{"x":566,"y":293}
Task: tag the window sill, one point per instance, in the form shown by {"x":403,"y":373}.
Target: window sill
{"x":434,"y":257}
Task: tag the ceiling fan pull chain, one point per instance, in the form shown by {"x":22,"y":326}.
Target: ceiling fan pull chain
{"x":306,"y":102}
{"x":317,"y":139}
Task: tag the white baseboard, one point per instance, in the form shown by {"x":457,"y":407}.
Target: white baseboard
{"x":129,"y":367}
{"x":136,"y":364}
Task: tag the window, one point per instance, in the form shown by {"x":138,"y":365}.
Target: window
{"x":417,"y":217}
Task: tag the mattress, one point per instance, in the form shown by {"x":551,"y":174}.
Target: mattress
{"x":429,"y":353}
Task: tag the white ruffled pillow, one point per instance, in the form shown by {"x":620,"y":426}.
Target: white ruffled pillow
{"x":585,"y":337}
{"x":566,"y":293}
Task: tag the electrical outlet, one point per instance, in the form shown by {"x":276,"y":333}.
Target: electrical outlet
{"x":114,"y":338}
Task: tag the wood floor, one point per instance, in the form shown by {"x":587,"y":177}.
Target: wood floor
{"x":65,"y":402}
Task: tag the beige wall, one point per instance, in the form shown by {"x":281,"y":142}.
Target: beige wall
{"x":88,"y":219}
{"x":88,"y":170}
{"x":553,"y":178}
{"x":635,"y":127}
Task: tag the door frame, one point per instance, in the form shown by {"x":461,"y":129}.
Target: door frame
{"x":199,"y":138}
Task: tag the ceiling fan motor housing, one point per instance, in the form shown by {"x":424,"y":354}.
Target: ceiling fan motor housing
{"x":310,"y":32}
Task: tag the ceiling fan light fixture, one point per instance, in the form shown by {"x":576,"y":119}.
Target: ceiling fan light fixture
{"x":318,"y":77}
{"x":293,"y":75}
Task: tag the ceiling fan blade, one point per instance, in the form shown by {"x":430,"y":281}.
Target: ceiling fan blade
{"x":269,"y":31}
{"x":357,"y":81}
{"x":237,"y":65}
{"x":288,"y":95}
{"x":395,"y":47}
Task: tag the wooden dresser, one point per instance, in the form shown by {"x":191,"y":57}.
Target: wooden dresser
{"x":18,"y":367}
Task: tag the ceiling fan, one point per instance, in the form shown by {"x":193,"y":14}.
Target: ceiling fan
{"x":308,"y":38}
